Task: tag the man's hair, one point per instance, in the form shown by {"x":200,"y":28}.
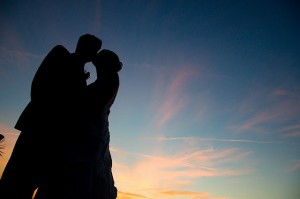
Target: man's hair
{"x":88,"y":43}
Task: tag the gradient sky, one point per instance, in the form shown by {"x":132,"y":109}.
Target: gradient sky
{"x":209,"y":100}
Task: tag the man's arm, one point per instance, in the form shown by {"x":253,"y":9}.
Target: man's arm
{"x":46,"y":78}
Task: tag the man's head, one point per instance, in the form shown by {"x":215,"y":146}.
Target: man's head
{"x":107,"y":61}
{"x":87,"y":47}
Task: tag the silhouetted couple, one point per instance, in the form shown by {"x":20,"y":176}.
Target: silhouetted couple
{"x":63,"y":147}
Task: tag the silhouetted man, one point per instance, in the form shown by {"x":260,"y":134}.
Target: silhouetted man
{"x":1,"y":140}
{"x":48,"y":120}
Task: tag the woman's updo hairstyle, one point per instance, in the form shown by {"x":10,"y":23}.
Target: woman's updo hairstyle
{"x":107,"y":61}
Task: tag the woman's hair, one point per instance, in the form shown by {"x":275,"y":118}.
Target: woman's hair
{"x":107,"y":61}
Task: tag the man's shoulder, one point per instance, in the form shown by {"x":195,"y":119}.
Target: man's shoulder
{"x":57,"y":53}
{"x":59,"y":49}
{"x":56,"y":56}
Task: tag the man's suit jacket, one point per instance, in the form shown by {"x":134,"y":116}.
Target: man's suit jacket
{"x":56,"y":91}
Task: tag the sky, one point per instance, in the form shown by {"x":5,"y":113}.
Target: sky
{"x":209,"y":98}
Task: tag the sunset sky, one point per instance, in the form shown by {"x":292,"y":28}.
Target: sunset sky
{"x":209,"y":99}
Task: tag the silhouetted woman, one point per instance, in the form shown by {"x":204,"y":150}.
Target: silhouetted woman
{"x":101,"y":96}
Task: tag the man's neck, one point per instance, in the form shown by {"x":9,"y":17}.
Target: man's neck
{"x":78,"y":59}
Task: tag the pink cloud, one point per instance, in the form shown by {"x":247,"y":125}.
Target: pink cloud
{"x":291,"y":131}
{"x":13,"y":52}
{"x":173,"y":97}
{"x":128,"y":195}
{"x":189,"y":194}
{"x":176,"y":171}
{"x":252,"y":123}
{"x":295,"y":166}
{"x":256,"y":112}
{"x":192,"y":140}
{"x":170,"y":194}
{"x":280,"y":92}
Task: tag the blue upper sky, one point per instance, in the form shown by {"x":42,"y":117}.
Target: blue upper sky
{"x":209,"y":100}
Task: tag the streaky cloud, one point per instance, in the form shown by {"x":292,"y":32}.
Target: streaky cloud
{"x":291,"y":131}
{"x":17,"y":57}
{"x":185,"y":193}
{"x":128,"y":195}
{"x":268,"y":107}
{"x":295,"y":166}
{"x":174,"y":100}
{"x":213,"y":140}
{"x":175,"y":171}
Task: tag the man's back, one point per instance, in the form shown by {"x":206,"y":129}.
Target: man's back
{"x":42,"y":89}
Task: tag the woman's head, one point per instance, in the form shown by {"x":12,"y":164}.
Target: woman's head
{"x":107,"y":61}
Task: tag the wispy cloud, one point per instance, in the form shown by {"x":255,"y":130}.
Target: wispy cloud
{"x":294,"y":166}
{"x":170,"y":194}
{"x":189,"y":194}
{"x":161,"y":138}
{"x":17,"y":58}
{"x":171,"y":94}
{"x":127,"y":195}
{"x":291,"y":131}
{"x":276,"y":106}
{"x":161,"y":172}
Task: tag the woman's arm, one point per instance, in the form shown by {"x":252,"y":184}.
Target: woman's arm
{"x":102,"y":93}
